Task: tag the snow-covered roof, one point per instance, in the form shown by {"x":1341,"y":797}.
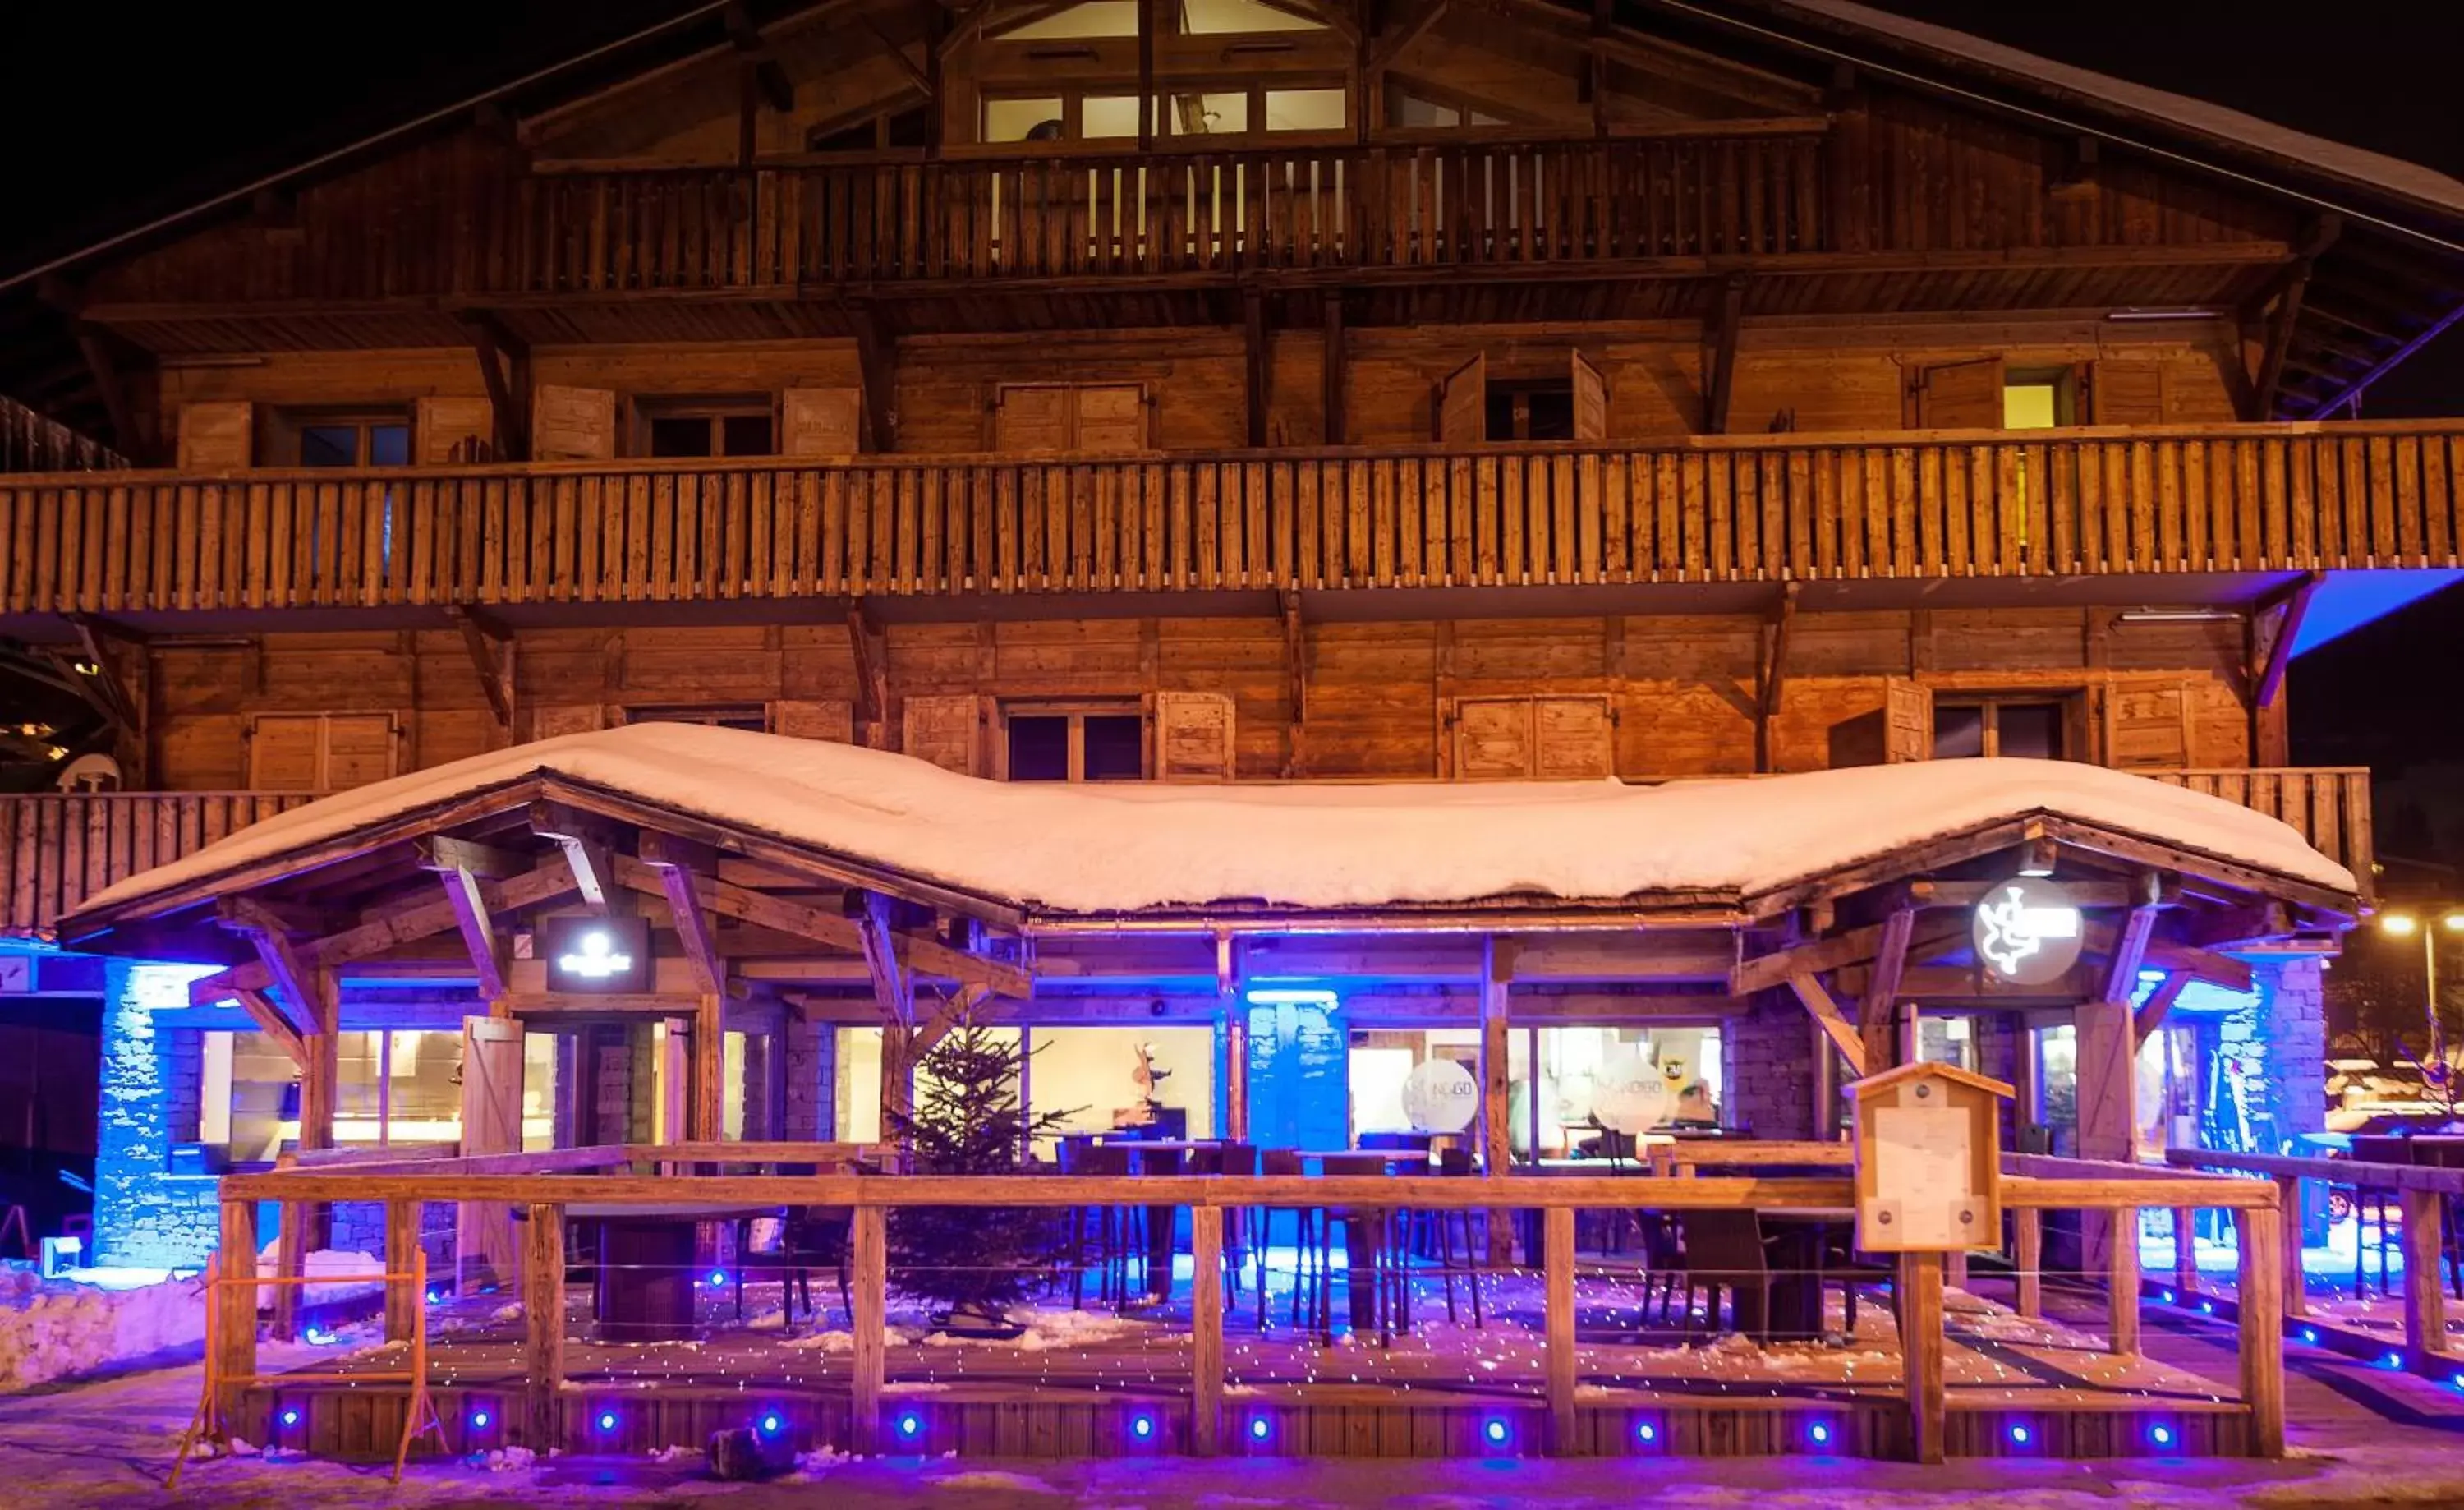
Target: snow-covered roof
{"x":1121,"y":848}
{"x":2205,"y":118}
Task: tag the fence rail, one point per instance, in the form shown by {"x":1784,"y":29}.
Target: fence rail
{"x":56,"y":849}
{"x":2330,"y":805}
{"x":1906,"y":504}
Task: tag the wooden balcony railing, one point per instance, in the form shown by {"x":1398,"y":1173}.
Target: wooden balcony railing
{"x":56,"y":849}
{"x":59,"y":849}
{"x":1903,"y":504}
{"x":1457,"y":204}
{"x":2330,"y":805}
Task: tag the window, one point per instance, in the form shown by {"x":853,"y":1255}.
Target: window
{"x":1380,"y":1060}
{"x":2038,"y":398}
{"x":1097,"y":743}
{"x":706,"y":428}
{"x":1186,"y":110}
{"x":1688,"y":1057}
{"x":2028,"y":729}
{"x":1088,"y":1078}
{"x":1947,"y":1040}
{"x":351,"y":440}
{"x":1036,"y":119}
{"x":1410,"y":112}
{"x":753,"y":716}
{"x":1099,"y":18}
{"x":393,"y":1086}
{"x":1537,"y":410}
{"x":899,"y":128}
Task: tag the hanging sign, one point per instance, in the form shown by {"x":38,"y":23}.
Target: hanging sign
{"x":2027,"y":931}
{"x":594,"y":955}
{"x":1630,"y":1094}
{"x":1441,"y":1096}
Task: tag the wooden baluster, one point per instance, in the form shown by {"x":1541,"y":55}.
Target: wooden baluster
{"x":2029,"y":1226}
{"x":2295,"y":1288}
{"x":2261,"y":1239}
{"x":868,"y":1286}
{"x":1921,"y":1348}
{"x":2424,"y":1300}
{"x":2122,"y":1282}
{"x":542,"y":1327}
{"x":235,"y":1364}
{"x":1206,"y":1327}
{"x":1558,"y":1248}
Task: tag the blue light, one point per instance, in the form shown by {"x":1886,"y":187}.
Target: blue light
{"x":1646,"y":1432}
{"x":1260,"y":1428}
{"x":771,"y":1423}
{"x":1821,"y":1433}
{"x":2393,"y":1359}
{"x":910,"y":1424}
{"x":2021,"y":1435}
{"x":2161,"y":1435}
{"x":317,"y":1336}
{"x":606,"y":1420}
{"x":718,"y":1277}
{"x":1496,"y":1433}
{"x":2310,"y":1335}
{"x":2208,"y":1306}
{"x":1282,"y":996}
{"x":480,"y":1419}
{"x":1142,"y":1427}
{"x":291,"y":1416}
{"x":2165,"y":1295}
{"x":433,"y":1297}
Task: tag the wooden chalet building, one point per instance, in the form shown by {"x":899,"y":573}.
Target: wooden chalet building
{"x":1233,"y":391}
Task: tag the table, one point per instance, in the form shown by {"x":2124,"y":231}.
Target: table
{"x":643,"y":1289}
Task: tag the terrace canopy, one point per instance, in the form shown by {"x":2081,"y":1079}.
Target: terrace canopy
{"x":786,"y":879}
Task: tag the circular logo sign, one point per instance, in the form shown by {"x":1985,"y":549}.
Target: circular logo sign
{"x":2027,"y":931}
{"x":1630,"y":1094}
{"x":1441,"y":1096}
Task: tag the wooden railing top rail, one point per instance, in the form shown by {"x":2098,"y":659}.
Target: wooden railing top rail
{"x":2339,"y":1171}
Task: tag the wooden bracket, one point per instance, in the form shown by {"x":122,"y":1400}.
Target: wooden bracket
{"x":871,"y":677}
{"x":1834,"y":1022}
{"x":693,"y":928}
{"x":893,"y":990}
{"x":876,"y":355}
{"x":2274,"y":624}
{"x":1771,"y":671}
{"x":478,"y":931}
{"x":2151,"y":1016}
{"x":271,"y":1021}
{"x":1260,"y":356}
{"x":1875,"y":1014}
{"x":768,"y":81}
{"x":1728,"y":316}
{"x":490,"y":647}
{"x":1332,"y":364}
{"x":504,"y":369}
{"x":1389,"y":44}
{"x":2129,"y":949}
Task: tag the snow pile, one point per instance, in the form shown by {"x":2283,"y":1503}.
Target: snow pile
{"x":1123,"y":846}
{"x":1050,"y":1329}
{"x":508,"y":1459}
{"x":343,"y":1275}
{"x":52,"y":1329}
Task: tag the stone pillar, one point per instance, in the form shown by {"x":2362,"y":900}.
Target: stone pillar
{"x":2275,"y":1067}
{"x":1768,"y":1056}
{"x":143,"y":1216}
{"x":811,"y":1111}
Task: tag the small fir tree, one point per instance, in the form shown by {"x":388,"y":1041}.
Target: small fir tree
{"x":975,"y":1261}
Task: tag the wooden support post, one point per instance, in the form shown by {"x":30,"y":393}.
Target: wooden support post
{"x":2122,"y":1283}
{"x":869,"y":1284}
{"x":2425,"y":1302}
{"x":1920,"y":1350}
{"x":1236,"y":1075}
{"x":1206,"y":1327}
{"x":702,"y":1110}
{"x":2297,"y":1284}
{"x":404,"y":1299}
{"x":1259,"y":358}
{"x":543,"y":1327}
{"x":1728,"y":319}
{"x":1557,"y":1259}
{"x":2185,"y":1252}
{"x":236,"y":1333}
{"x":290,"y":1259}
{"x":1496,"y":1149}
{"x":1330,"y":386}
{"x":2029,"y":1255}
{"x":2261,"y":1234}
{"x":2108,"y":1110}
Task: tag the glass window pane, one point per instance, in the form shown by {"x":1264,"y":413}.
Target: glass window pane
{"x":1093,"y":18}
{"x":856,"y":1086}
{"x":679,"y":436}
{"x":1304,"y":109}
{"x":329,"y":446}
{"x":1039,"y":748}
{"x":1016,"y":119}
{"x":2033,"y":730}
{"x":1088,"y":1077}
{"x":1958,"y":731}
{"x":1108,"y":115}
{"x":1552,"y":413}
{"x":1410,"y":110}
{"x":1947,"y":1040}
{"x":2057,"y":1087}
{"x":539,"y":1090}
{"x":1115,"y":747}
{"x":2029,"y":406}
{"x":746,"y":435}
{"x":1209,"y":115}
{"x":1217,"y":17}
{"x":388,"y":445}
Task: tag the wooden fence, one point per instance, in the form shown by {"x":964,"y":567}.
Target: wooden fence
{"x":56,"y":849}
{"x":1907,"y":506}
{"x":2330,"y":805}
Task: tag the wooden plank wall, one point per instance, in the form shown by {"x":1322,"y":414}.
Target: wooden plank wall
{"x":56,"y":850}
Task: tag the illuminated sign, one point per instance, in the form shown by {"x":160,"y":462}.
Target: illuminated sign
{"x":2027,"y":931}
{"x":1631,"y":1095}
{"x":1441,"y":1096}
{"x":601,"y":955}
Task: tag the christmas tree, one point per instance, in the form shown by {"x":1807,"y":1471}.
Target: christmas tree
{"x":975,"y":1261}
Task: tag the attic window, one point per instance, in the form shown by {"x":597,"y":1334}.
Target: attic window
{"x":1241,"y":17}
{"x":1101,"y":18}
{"x":1092,"y":18}
{"x":904,"y":128}
{"x":1412,"y":112}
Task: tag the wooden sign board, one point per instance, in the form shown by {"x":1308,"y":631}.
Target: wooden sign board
{"x":1928,"y":1160}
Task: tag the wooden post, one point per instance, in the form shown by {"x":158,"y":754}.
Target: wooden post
{"x":2261,"y":1234}
{"x":1236,"y":1074}
{"x":708,"y":1100}
{"x":236,"y":1364}
{"x":290,"y":1261}
{"x":2109,"y":1104}
{"x":1954,"y":1269}
{"x":2030,"y":1225}
{"x":2122,"y":1282}
{"x":543,"y":1327}
{"x":868,"y":1282}
{"x":1557,"y":1245}
{"x":1496,"y":1092}
{"x":2288,"y":1201}
{"x":1921,"y":1348}
{"x":403,"y":1298}
{"x":1206,"y":1327}
{"x":491,"y":1122}
{"x":2425,"y":1303}
{"x":2186,"y":1253}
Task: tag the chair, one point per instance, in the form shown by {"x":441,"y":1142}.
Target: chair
{"x":809,"y":1237}
{"x":1369,"y":1235}
{"x":1240,"y":1160}
{"x":1287,"y":1163}
{"x":1835,"y":1262}
{"x":1441,"y":1227}
{"x":1118,"y":1230}
{"x":1723,"y":1249}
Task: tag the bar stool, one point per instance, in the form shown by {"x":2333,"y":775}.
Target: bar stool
{"x":1118,"y":1230}
{"x":1446,"y":1226}
{"x":1239,"y":1160}
{"x":1368,"y":1235}
{"x":1285,"y":1164}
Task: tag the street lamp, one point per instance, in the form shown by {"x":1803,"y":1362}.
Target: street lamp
{"x":2404,"y":925}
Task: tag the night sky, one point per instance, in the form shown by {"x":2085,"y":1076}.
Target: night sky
{"x":114,"y":112}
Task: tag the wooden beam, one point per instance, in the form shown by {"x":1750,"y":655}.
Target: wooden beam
{"x":2216,"y":969}
{"x":1496,"y":1091}
{"x":1390,"y":43}
{"x":2151,"y":1015}
{"x":1260,"y":356}
{"x":1296,"y":670}
{"x":889,"y":49}
{"x":1728,"y":319}
{"x":2129,"y":949}
{"x":1771,"y":671}
{"x":2280,"y":326}
{"x":693,"y":926}
{"x":384,"y":927}
{"x":892,"y":990}
{"x":871,"y":677}
{"x":1332,"y":363}
{"x":876,"y":355}
{"x":768,"y":81}
{"x":542,"y":1287}
{"x":1148,"y":103}
{"x":1921,"y":1335}
{"x":1875,"y":1014}
{"x":1854,"y":947}
{"x":271,"y":1021}
{"x":504,"y":363}
{"x":668,"y":850}
{"x":2285,"y":610}
{"x":1834,"y":1022}
{"x":491,"y":649}
{"x":478,"y":934}
{"x":439,"y":852}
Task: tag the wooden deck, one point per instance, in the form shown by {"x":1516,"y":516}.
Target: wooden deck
{"x":1911,"y":507}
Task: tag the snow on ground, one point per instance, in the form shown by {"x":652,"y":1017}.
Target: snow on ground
{"x":1313,"y":846}
{"x":56,"y":1328}
{"x":343,"y":1274}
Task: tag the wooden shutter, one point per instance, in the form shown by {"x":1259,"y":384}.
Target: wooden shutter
{"x":1493,"y":739}
{"x":2126,"y":393}
{"x":1192,"y":736}
{"x":214,"y":437}
{"x":1111,"y":417}
{"x":1960,"y":395}
{"x":945,"y":729}
{"x":1462,"y":403}
{"x":1032,"y":417}
{"x":1907,"y":721}
{"x":449,"y":430}
{"x":821,"y":421}
{"x":2148,"y":725}
{"x":573,"y":424}
{"x":548,"y":720}
{"x":1573,"y":739}
{"x":830,"y":719}
{"x":359,"y":749}
{"x":491,"y":1122}
{"x":282,"y":752}
{"x":1591,"y":400}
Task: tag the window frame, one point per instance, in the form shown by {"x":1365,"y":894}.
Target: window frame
{"x":292,"y":424}
{"x":715,"y":408}
{"x":2064,"y":705}
{"x":708,"y":715}
{"x":1077,"y":710}
{"x":1253,"y":88}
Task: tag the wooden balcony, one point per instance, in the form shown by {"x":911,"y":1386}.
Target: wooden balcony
{"x":1907,"y":506}
{"x":59,"y":849}
{"x":56,"y":849}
